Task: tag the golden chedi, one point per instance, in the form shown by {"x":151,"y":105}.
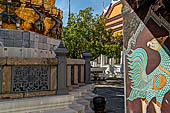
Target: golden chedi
{"x":39,"y":16}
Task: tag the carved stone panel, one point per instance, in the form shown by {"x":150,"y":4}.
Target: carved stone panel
{"x":30,"y":78}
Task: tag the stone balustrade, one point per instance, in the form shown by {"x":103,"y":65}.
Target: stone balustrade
{"x":20,"y":77}
{"x":75,"y":73}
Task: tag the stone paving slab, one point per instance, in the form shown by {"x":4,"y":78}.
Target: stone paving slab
{"x":113,"y":91}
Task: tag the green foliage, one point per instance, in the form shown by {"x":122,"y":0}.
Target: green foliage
{"x":88,"y":31}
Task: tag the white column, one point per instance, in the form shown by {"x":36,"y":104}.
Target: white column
{"x":110,"y":61}
{"x":102,"y":61}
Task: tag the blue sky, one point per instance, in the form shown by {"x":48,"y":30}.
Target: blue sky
{"x":77,"y":5}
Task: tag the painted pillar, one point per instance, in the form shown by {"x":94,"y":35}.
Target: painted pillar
{"x":61,"y":53}
{"x":146,"y":52}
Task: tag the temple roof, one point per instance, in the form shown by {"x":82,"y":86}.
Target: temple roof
{"x":114,"y":17}
{"x":110,"y":5}
{"x":114,"y":1}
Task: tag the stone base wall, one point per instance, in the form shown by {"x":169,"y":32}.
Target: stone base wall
{"x":27,"y":39}
{"x":36,"y":65}
{"x":26,"y":44}
{"x":31,"y":77}
{"x":12,"y":52}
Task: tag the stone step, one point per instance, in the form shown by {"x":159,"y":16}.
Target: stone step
{"x":76,"y":94}
{"x":83,"y":96}
{"x":92,"y":94}
{"x":89,"y":98}
{"x":78,"y":107}
{"x":84,"y":91}
{"x":63,"y":111}
{"x":40,"y":110}
{"x":89,"y":111}
{"x":84,"y":102}
{"x":36,"y":104}
{"x":73,"y":103}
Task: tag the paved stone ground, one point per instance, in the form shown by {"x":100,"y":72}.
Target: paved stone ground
{"x":113,"y":91}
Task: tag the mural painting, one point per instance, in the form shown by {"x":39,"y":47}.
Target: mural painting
{"x":147,"y":64}
{"x":155,"y":84}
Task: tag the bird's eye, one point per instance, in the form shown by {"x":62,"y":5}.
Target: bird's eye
{"x":153,"y":42}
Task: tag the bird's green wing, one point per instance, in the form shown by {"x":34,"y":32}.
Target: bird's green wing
{"x":137,"y":62}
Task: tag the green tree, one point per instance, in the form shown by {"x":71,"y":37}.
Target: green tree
{"x":88,"y":31}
